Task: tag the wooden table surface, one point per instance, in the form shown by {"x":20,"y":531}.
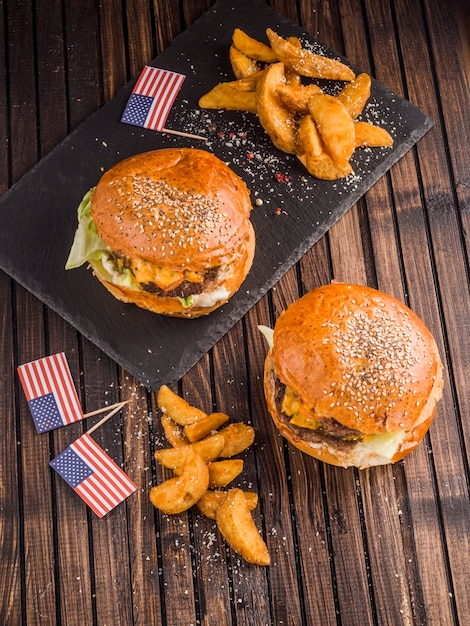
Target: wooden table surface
{"x":389,"y":545}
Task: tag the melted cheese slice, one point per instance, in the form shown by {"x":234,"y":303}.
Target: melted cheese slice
{"x":146,"y":272}
{"x":300,"y":415}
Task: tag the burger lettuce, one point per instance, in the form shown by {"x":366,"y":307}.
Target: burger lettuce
{"x":88,"y":247}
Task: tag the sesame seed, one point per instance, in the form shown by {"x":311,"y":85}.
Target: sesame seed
{"x":170,"y":212}
{"x":376,"y":354}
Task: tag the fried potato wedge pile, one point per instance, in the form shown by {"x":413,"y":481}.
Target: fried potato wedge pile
{"x":201,"y":458}
{"x":270,"y":82}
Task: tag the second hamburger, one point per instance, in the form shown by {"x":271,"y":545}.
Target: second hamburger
{"x":353,"y":376}
{"x":168,"y":230}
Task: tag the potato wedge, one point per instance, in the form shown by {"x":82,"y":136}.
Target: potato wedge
{"x":177,"y":408}
{"x":226,"y":96}
{"x":238,"y":436}
{"x":296,"y":97}
{"x":173,"y":432}
{"x":323,"y":167}
{"x":308,"y":140}
{"x":310,"y":151}
{"x":209,"y":502}
{"x":248,"y":83}
{"x":295,"y":41}
{"x":252,"y":47}
{"x":372,"y":136}
{"x":355,"y":94}
{"x":209,"y":449}
{"x":292,"y":77}
{"x":199,"y":430}
{"x":307,"y":63}
{"x":274,"y":117}
{"x":242,"y":66}
{"x":178,"y":494}
{"x":238,"y":528}
{"x":221,"y":473}
{"x":335,"y":127}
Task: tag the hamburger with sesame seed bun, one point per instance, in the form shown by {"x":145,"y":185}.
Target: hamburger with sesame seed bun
{"x":352,"y":376}
{"x":168,"y":230}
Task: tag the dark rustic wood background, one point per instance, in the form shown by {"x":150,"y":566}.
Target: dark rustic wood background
{"x":389,"y":545}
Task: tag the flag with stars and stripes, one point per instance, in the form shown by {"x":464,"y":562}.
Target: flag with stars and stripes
{"x":50,"y":392}
{"x":152,"y":97}
{"x":93,"y":475}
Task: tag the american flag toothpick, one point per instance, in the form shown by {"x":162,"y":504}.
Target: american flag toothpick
{"x":152,"y":98}
{"x":51,"y":394}
{"x":93,"y":475}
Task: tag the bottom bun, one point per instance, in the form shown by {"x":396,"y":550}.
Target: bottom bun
{"x":360,"y":455}
{"x":172,"y":306}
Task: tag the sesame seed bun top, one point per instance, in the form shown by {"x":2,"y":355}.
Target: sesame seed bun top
{"x":176,"y":207}
{"x":357,"y":355}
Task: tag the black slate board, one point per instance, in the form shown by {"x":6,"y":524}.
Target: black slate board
{"x":39,"y":212}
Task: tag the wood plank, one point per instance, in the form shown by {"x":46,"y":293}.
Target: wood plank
{"x":463,"y":20}
{"x":313,"y":531}
{"x":342,"y":514}
{"x":4,"y":111}
{"x":289,"y":10}
{"x":209,"y":558}
{"x":174,"y":545}
{"x":421,"y":288}
{"x":231,"y":393}
{"x":377,"y":497}
{"x":445,"y":197}
{"x":109,"y":536}
{"x":113,"y":54}
{"x":273,"y":484}
{"x":22,"y":95}
{"x":137,"y":426}
{"x":39,"y":584}
{"x":81,"y":60}
{"x":51,"y":75}
{"x":191,"y":11}
{"x":72,"y":560}
{"x":140,"y":38}
{"x":11,"y":572}
{"x":37,"y":515}
{"x":168,"y":22}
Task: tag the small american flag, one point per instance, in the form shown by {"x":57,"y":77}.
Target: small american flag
{"x":50,"y":392}
{"x":91,"y":473}
{"x":152,"y":98}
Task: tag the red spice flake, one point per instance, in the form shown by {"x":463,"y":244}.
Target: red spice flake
{"x":231,"y":135}
{"x":220,"y":134}
{"x":281,"y":178}
{"x":250,"y":155}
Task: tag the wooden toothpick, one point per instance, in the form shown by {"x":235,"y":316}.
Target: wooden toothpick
{"x":183,"y":134}
{"x":105,"y":408}
{"x":117,"y":407}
